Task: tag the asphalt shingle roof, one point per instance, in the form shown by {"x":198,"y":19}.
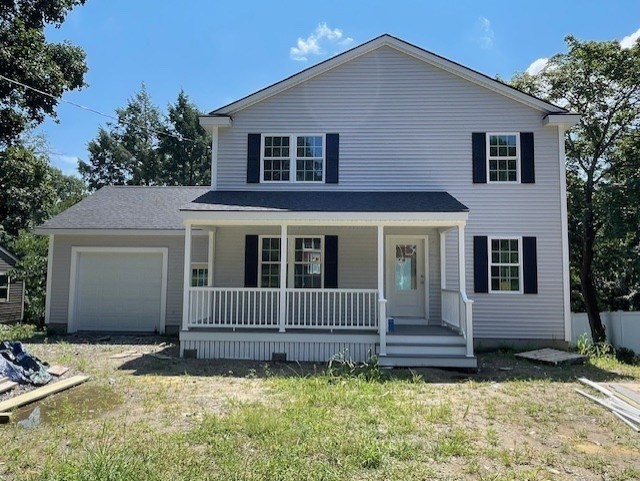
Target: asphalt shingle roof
{"x":325,"y":201}
{"x":128,"y":207}
{"x":158,"y":208}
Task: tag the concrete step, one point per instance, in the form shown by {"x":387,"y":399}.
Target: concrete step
{"x":453,"y":339}
{"x":459,"y":362}
{"x":409,"y":321}
{"x":426,"y":349}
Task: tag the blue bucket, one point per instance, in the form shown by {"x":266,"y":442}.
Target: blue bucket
{"x":391,"y":324}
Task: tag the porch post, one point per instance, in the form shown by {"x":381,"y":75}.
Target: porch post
{"x":187,"y":277}
{"x":461,"y":259}
{"x":211,"y":257}
{"x":382,"y":311}
{"x":443,"y":258}
{"x":283,"y":277}
{"x":465,"y":303}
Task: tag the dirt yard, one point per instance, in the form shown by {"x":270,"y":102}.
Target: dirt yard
{"x":145,"y":414}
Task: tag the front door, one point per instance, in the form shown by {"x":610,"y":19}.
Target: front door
{"x":405,"y":275}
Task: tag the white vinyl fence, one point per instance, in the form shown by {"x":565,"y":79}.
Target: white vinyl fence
{"x":623,"y":328}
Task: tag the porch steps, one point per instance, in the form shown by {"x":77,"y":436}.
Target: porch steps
{"x":412,"y":345}
{"x":451,"y":361}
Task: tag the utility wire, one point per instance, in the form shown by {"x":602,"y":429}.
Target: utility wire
{"x":160,"y":132}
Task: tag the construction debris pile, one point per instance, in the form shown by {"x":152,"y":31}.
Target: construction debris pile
{"x":18,"y":366}
{"x":622,"y":401}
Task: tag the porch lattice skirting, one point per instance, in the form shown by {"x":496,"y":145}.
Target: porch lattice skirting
{"x":295,"y":351}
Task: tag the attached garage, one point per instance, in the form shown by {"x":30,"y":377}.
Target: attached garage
{"x":118,"y":289}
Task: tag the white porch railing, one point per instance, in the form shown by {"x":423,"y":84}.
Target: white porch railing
{"x":457,"y":313}
{"x":332,"y":309}
{"x":233,"y":307}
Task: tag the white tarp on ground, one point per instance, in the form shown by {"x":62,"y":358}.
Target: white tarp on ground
{"x":623,"y":328}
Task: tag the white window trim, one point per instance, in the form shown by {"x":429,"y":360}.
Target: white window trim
{"x":518,"y":156}
{"x":520,"y":263}
{"x":199,"y":265}
{"x":4,"y":273}
{"x":293,"y":158}
{"x":290,"y":261}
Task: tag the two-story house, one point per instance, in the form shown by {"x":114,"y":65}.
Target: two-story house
{"x":387,"y":201}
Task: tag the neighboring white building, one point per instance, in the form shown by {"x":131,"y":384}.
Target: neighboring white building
{"x":384,"y":183}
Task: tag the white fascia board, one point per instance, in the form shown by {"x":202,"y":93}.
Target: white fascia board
{"x":115,"y":232}
{"x":324,"y":218}
{"x":412,"y":50}
{"x":565,"y":121}
{"x":210,"y":122}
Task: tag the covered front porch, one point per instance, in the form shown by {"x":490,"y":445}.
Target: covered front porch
{"x":309,"y":289}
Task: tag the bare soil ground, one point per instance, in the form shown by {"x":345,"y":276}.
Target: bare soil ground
{"x":146,"y":414}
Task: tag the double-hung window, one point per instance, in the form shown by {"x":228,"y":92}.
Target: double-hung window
{"x":307,"y":270}
{"x":270,"y":262}
{"x":304,"y":266}
{"x":199,"y":275}
{"x":503,"y":157}
{"x":505,"y":265}
{"x":4,"y":287}
{"x":293,"y":158}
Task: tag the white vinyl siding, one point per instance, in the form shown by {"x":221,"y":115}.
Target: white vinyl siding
{"x":406,"y":125}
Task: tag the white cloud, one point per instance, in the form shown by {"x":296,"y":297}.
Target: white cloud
{"x":68,"y":164}
{"x":312,"y":45}
{"x":630,"y":40}
{"x":537,"y":66}
{"x":486,"y":33}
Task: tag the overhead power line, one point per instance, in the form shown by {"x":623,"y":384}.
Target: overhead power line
{"x":89,"y":109}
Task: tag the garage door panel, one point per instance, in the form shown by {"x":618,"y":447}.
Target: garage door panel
{"x":118,"y":291}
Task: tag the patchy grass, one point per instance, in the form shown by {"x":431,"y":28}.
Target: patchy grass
{"x":180,"y":419}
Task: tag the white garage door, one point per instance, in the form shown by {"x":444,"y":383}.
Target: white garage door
{"x":118,"y":291}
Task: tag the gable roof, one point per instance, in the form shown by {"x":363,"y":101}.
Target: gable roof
{"x":126,"y":207}
{"x":387,"y":40}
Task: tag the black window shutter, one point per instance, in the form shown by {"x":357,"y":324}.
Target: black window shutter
{"x":527,"y":164}
{"x":251,"y":261}
{"x":480,"y":264}
{"x":332,"y":158}
{"x":530,"y":265}
{"x":253,"y":158}
{"x":479,"y":155}
{"x":330,"y":261}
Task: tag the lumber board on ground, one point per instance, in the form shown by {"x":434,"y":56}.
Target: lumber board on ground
{"x":629,"y":395}
{"x":7,"y":386}
{"x":552,"y":356}
{"x":57,"y":370}
{"x":41,"y":393}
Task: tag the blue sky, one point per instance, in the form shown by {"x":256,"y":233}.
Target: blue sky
{"x":220,"y":51}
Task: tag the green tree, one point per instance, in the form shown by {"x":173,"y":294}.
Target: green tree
{"x":601,"y":81}
{"x":186,"y":156}
{"x":27,"y":57}
{"x":127,"y":153}
{"x":109,"y":162}
{"x":26,"y":191}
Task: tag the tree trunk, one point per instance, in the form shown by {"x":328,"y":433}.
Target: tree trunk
{"x":586,"y":277}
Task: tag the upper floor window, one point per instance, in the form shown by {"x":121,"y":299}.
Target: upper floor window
{"x":4,"y":288}
{"x":503,"y":157}
{"x":293,"y":158}
{"x":504,"y":265}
